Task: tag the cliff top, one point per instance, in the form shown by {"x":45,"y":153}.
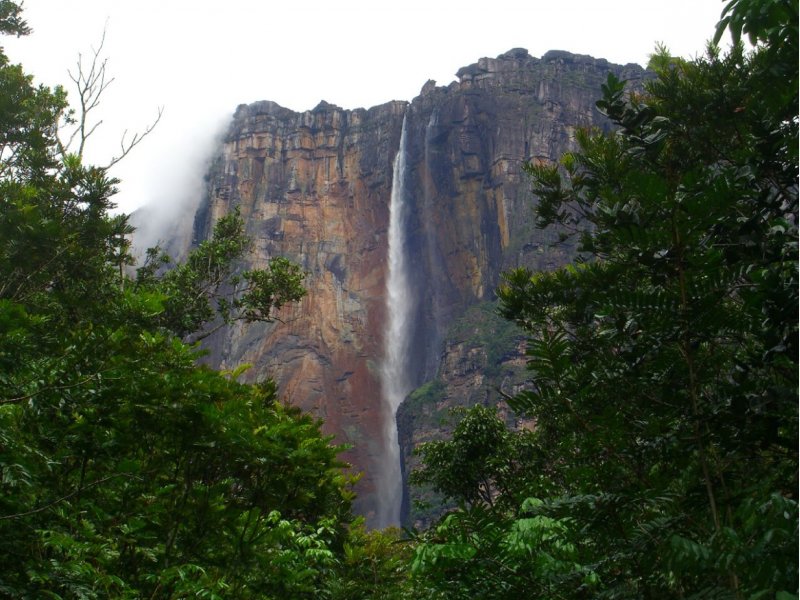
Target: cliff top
{"x":485,"y":68}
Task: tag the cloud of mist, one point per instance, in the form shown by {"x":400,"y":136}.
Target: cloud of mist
{"x":175,"y":188}
{"x":199,"y":60}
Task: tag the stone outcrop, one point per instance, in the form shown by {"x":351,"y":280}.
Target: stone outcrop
{"x":482,"y":360}
{"x":315,"y":187}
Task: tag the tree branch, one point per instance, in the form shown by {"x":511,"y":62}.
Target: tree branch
{"x":91,"y":81}
{"x":67,"y":497}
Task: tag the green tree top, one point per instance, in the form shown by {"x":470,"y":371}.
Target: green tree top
{"x":126,"y":470}
{"x":663,"y":362}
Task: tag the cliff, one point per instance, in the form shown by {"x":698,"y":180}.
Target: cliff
{"x":482,"y":359}
{"x":315,"y":187}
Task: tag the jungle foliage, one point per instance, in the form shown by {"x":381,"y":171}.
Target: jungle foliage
{"x":663,"y":364}
{"x":662,"y":457}
{"x":127,"y":470}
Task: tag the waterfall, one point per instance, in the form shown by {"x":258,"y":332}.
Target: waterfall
{"x":395,"y":380}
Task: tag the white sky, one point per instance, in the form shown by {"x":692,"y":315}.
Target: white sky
{"x":199,"y":59}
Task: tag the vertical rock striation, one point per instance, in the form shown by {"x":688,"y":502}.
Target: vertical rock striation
{"x":316,"y":187}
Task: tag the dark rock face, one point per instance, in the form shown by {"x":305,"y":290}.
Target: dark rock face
{"x":468,"y":142}
{"x":482,"y":359}
{"x":315,"y":187}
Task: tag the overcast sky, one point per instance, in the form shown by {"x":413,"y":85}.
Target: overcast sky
{"x":199,"y":59}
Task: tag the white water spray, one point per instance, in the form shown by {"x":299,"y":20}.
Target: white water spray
{"x":395,"y":380}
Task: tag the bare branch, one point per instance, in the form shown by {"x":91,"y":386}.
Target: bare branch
{"x":137,"y":138}
{"x":90,"y":82}
{"x":90,"y":78}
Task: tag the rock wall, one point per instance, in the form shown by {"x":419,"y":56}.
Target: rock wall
{"x":482,"y":360}
{"x":315,"y":187}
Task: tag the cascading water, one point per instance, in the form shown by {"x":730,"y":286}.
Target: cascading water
{"x":395,"y":379}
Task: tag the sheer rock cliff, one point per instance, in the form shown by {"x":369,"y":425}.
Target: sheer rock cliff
{"x":315,"y":186}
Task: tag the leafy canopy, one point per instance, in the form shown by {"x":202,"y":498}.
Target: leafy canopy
{"x":663,"y":361}
{"x":126,"y":470}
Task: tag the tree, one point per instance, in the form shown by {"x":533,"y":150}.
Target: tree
{"x":374,"y":566}
{"x":664,"y":360}
{"x":126,"y":470}
{"x":483,"y":465}
{"x":496,"y":544}
{"x":207,"y":288}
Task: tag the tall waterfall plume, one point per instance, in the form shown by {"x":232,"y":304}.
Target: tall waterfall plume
{"x":395,"y":377}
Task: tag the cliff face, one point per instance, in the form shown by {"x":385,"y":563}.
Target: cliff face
{"x":315,"y":187}
{"x":482,"y":358}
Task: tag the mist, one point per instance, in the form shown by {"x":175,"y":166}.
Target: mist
{"x":199,"y":60}
{"x":174,"y":188}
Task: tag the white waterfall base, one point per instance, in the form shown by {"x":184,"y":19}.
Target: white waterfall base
{"x":395,"y":381}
